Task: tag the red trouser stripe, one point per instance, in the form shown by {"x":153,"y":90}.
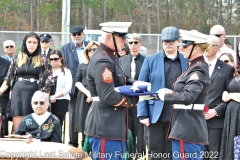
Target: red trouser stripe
{"x":102,"y":148}
{"x":182,"y":150}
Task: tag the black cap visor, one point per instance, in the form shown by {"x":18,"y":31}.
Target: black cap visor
{"x":185,"y":43}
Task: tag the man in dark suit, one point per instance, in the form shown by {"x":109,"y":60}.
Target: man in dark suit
{"x":45,"y":44}
{"x":161,"y":70}
{"x":132,"y":64}
{"x":73,"y":55}
{"x":220,"y":76}
{"x":4,"y":97}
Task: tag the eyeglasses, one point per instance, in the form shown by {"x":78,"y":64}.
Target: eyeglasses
{"x":214,"y":45}
{"x":186,"y":46}
{"x":74,"y":34}
{"x":91,"y":49}
{"x":226,"y":61}
{"x":39,"y":102}
{"x":135,"y":42}
{"x":54,"y":59}
{"x":45,"y":41}
{"x":218,"y":35}
{"x":168,"y":42}
{"x":9,"y":46}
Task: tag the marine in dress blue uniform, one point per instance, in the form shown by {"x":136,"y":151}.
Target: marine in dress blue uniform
{"x":106,"y":123}
{"x":188,"y":128}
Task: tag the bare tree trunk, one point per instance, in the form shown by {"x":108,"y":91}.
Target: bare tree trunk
{"x":90,"y":17}
{"x":158,"y":17}
{"x":84,"y":15}
{"x":105,"y":11}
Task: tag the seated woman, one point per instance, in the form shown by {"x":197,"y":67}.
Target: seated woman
{"x":41,"y":124}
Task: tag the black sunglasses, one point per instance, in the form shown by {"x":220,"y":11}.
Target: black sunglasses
{"x":74,"y":34}
{"x":91,"y":49}
{"x":123,"y":49}
{"x":45,"y":41}
{"x":39,"y":102}
{"x":135,"y":42}
{"x":218,"y":35}
{"x":54,"y":59}
{"x":9,"y":46}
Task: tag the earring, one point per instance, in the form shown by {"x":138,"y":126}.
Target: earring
{"x":60,"y":64}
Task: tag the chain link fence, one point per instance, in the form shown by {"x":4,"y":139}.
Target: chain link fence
{"x":151,"y":41}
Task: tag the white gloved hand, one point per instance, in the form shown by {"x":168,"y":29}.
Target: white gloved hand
{"x":142,"y":98}
{"x":161,"y":93}
{"x":145,"y":122}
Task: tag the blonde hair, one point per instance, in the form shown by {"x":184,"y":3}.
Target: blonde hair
{"x":205,"y":47}
{"x":23,"y":58}
{"x":85,"y":52}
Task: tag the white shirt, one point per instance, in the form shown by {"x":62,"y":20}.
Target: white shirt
{"x":45,"y":51}
{"x":211,"y":66}
{"x":40,"y":119}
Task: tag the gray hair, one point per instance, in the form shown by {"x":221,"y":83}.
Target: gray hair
{"x":135,"y":36}
{"x":38,"y":94}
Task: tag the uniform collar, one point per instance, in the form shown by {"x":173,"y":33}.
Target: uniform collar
{"x":201,"y":58}
{"x":108,"y":50}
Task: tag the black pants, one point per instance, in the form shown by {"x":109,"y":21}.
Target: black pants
{"x":158,"y":144}
{"x":214,"y":138}
{"x":73,"y":136}
{"x":3,"y":110}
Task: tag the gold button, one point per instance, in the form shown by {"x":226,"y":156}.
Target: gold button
{"x":126,"y":103}
{"x":115,"y":109}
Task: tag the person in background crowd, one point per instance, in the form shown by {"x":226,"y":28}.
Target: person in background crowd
{"x":188,"y":129}
{"x":106,"y":123}
{"x":29,"y":72}
{"x":161,"y":70}
{"x":124,"y":50}
{"x":41,"y":124}
{"x":73,"y":55}
{"x":228,"y":43}
{"x":220,"y":76}
{"x":132,"y":64}
{"x":9,"y":48}
{"x":84,"y":98}
{"x":227,"y":58}
{"x":4,"y":65}
{"x":219,"y":31}
{"x":59,"y":94}
{"x":45,"y":44}
{"x":231,"y":119}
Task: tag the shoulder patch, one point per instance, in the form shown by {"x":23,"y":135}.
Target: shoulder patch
{"x":194,"y":76}
{"x":107,"y":75}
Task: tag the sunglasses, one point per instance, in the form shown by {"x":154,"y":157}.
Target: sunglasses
{"x":9,"y":46}
{"x":135,"y":42}
{"x":218,"y":35}
{"x":91,"y":49}
{"x":169,"y":42}
{"x":54,"y":59}
{"x":74,"y":34}
{"x":123,"y":49}
{"x":226,"y":61}
{"x":39,"y":102}
{"x":45,"y":41}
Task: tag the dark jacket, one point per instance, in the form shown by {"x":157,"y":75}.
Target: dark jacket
{"x":107,"y":118}
{"x":186,"y":124}
{"x":71,"y":58}
{"x":4,"y":65}
{"x":220,"y":79}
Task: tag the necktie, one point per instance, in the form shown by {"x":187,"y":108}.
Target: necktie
{"x":44,"y":53}
{"x":133,"y":68}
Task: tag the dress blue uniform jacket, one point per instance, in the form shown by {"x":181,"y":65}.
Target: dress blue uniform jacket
{"x":71,"y":59}
{"x":153,"y":71}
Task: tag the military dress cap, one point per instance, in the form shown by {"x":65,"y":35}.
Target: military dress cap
{"x":192,"y":37}
{"x":170,"y":34}
{"x":76,"y":29}
{"x":45,"y":37}
{"x":118,"y":28}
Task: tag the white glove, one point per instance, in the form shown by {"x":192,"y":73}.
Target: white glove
{"x":145,"y":122}
{"x":142,"y":98}
{"x":162,"y":92}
